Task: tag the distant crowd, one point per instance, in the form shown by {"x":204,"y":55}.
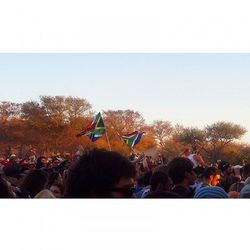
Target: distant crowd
{"x":103,"y":174}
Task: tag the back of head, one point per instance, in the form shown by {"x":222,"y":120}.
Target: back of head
{"x":163,"y":169}
{"x":177,"y":169}
{"x":236,"y":187}
{"x":97,"y":172}
{"x":158,"y":179}
{"x":45,"y":194}
{"x":13,"y":171}
{"x":199,"y":171}
{"x":63,"y":166}
{"x":5,"y":189}
{"x":34,"y":182}
{"x":223,"y":165}
{"x":211,"y":193}
{"x":245,"y":192}
{"x":53,"y":178}
{"x":246,"y":171}
{"x":209,"y":171}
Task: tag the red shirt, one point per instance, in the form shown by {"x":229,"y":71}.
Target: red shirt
{"x":6,"y":164}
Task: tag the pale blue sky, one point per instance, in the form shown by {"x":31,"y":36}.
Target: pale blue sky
{"x":189,"y":89}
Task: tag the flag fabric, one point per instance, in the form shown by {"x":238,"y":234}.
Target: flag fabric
{"x":95,"y":129}
{"x":133,"y":138}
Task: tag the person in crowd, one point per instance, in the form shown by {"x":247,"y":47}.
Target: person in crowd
{"x":5,"y":189}
{"x":33,"y":183}
{"x":55,"y":178}
{"x":161,"y":185}
{"x":144,"y":174}
{"x":238,"y":171}
{"x":186,"y":153}
{"x":227,"y":175}
{"x":101,"y":174}
{"x":199,"y":170}
{"x":64,"y":165}
{"x":15,"y":174}
{"x":57,"y":190}
{"x":41,"y":163}
{"x":159,"y":160}
{"x":210,"y":192}
{"x":55,"y":162}
{"x":3,"y":162}
{"x":211,"y":177}
{"x":52,"y":166}
{"x":197,"y":159}
{"x":235,"y":188}
{"x":45,"y":194}
{"x":181,"y":172}
{"x":226,"y":168}
{"x":12,"y":161}
{"x":146,"y":185}
{"x":245,"y":191}
{"x":139,"y":185}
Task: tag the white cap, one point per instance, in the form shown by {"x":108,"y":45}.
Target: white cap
{"x":238,"y":166}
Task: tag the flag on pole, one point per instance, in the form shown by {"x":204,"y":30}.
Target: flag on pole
{"x":95,"y":129}
{"x":133,"y":138}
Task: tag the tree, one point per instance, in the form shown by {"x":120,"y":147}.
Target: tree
{"x":9,"y":110}
{"x":224,"y":132}
{"x":77,"y":107}
{"x":123,"y":121}
{"x":220,"y":135}
{"x":245,"y":154}
{"x":193,"y":137}
{"x":55,"y":121}
{"x":163,"y":131}
{"x":11,"y":127}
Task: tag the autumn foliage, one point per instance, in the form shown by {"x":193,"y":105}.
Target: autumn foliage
{"x":50,"y":126}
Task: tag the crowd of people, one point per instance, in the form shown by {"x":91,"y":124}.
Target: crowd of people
{"x":103,"y":174}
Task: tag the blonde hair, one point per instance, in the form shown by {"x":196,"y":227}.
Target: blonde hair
{"x":45,"y":194}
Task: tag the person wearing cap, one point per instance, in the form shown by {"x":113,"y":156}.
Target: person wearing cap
{"x":12,"y":161}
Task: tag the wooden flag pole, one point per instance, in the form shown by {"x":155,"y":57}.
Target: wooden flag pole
{"x":106,"y":133}
{"x":108,"y":141}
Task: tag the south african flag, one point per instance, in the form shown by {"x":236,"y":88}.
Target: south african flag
{"x":133,"y":138}
{"x":95,"y":129}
